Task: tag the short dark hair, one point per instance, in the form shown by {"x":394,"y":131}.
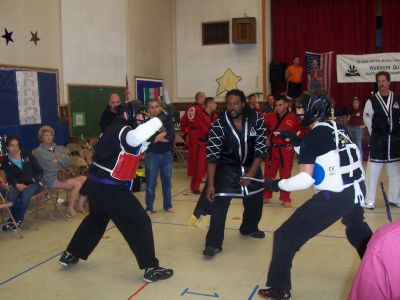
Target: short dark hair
{"x":12,"y":138}
{"x":236,"y":92}
{"x":384,"y":73}
{"x":208,"y":100}
{"x":251,"y":95}
{"x":281,"y":97}
{"x":295,"y":56}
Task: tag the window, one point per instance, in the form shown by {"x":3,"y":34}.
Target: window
{"x":216,"y":33}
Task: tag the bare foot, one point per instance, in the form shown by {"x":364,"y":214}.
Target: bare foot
{"x":287,"y":204}
{"x":71,"y":213}
{"x":79,"y":207}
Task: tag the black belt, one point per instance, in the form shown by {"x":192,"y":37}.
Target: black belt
{"x":279,"y":146}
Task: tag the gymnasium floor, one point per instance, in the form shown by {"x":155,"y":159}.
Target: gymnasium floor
{"x":323,"y":269}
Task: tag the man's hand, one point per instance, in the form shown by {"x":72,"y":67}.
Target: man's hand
{"x":271,"y":184}
{"x":160,"y":136}
{"x":289,"y":136}
{"x":20,"y":186}
{"x":210,"y":193}
{"x":244,"y":182}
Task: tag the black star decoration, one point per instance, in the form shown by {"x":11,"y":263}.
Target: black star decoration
{"x":34,"y":38}
{"x":7,"y":36}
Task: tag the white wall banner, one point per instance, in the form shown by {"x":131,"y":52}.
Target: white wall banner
{"x":28,"y":97}
{"x":362,"y":68}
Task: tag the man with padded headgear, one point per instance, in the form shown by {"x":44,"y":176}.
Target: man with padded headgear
{"x":115,"y":162}
{"x":332,"y":163}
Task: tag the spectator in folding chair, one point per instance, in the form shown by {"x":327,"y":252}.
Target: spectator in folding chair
{"x":52,"y":158}
{"x":23,"y":174}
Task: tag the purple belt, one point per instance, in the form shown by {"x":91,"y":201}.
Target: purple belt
{"x":104,"y":180}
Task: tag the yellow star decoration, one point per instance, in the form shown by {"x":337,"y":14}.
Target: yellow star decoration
{"x":227,"y":82}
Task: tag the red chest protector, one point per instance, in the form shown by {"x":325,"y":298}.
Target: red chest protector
{"x":126,"y":165}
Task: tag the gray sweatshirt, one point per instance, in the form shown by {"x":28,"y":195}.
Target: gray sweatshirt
{"x":52,"y":160}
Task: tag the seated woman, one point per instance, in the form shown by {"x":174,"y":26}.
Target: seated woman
{"x":52,"y":158}
{"x":23,"y":174}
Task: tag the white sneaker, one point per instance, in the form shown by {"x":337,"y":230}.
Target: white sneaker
{"x":368,"y":205}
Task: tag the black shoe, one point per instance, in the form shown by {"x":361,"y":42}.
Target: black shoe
{"x":157,"y":273}
{"x":211,"y":251}
{"x":258,"y":234}
{"x":274,"y":294}
{"x":68,"y":259}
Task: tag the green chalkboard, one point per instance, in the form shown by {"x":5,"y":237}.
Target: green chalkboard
{"x":86,"y":104}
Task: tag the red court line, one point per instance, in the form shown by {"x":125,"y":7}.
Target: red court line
{"x":138,"y":291}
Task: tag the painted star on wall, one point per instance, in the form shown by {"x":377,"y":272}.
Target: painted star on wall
{"x":7,"y":36}
{"x":34,"y":38}
{"x":227,"y":82}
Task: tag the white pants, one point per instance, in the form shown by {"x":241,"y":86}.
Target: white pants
{"x":372,"y":175}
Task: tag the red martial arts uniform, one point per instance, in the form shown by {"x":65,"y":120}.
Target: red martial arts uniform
{"x":280,"y":154}
{"x":196,"y":124}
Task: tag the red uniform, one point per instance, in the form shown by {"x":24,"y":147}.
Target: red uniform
{"x":195,"y":124}
{"x":280,"y":154}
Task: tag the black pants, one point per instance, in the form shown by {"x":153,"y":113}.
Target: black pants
{"x":318,"y":213}
{"x":294,"y":90}
{"x":253,"y":206}
{"x":118,"y":204}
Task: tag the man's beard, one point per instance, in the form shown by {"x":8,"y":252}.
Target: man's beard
{"x":236,"y":114}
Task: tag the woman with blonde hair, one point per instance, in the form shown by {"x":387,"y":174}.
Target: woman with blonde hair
{"x":52,"y":158}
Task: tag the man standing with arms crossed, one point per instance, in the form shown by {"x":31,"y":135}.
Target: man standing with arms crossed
{"x":381,"y":116}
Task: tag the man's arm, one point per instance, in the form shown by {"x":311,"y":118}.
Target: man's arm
{"x":211,"y":167}
{"x":301,"y":181}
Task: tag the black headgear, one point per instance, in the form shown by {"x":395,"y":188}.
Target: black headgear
{"x":129,"y":112}
{"x":316,"y":108}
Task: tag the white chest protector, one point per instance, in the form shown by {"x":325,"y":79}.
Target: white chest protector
{"x":328,"y":170}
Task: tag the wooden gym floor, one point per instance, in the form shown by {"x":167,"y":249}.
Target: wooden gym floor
{"x":323,"y":269}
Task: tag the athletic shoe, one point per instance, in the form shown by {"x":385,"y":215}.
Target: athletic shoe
{"x":196,"y":192}
{"x":368,"y":205}
{"x":394,"y":204}
{"x":68,"y":259}
{"x":258,"y":234}
{"x":8,"y":227}
{"x":274,"y":294}
{"x":286,"y":204}
{"x":157,"y":273}
{"x":211,"y":251}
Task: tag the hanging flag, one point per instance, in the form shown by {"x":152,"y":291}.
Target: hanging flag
{"x":151,"y":94}
{"x":126,"y":89}
{"x":325,"y":67}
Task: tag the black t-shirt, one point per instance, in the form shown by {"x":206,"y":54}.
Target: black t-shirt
{"x":319,"y":141}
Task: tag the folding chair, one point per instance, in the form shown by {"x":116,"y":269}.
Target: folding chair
{"x":39,"y":202}
{"x":6,"y":215}
{"x":179,"y":147}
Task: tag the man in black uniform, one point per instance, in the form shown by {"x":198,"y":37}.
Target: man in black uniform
{"x":332,"y":163}
{"x":110,"y":112}
{"x":235,"y":148}
{"x":382,"y":116}
{"x":115,"y":162}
